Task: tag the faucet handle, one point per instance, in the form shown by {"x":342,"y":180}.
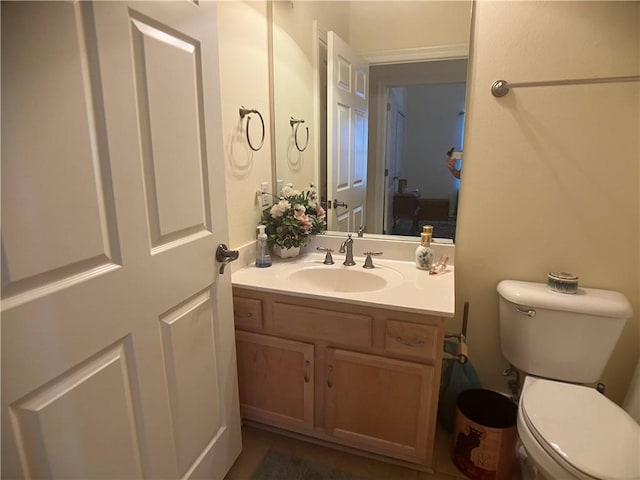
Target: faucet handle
{"x":368,"y":262}
{"x":328,"y":259}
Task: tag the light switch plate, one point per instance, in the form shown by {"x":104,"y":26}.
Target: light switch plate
{"x":264,"y":188}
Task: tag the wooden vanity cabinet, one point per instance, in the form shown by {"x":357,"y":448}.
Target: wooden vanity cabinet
{"x":275,"y":380}
{"x":362,"y":377}
{"x":379,"y":404}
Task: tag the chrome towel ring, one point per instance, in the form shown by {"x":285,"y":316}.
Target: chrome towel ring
{"x":297,"y":122}
{"x":245,"y":112}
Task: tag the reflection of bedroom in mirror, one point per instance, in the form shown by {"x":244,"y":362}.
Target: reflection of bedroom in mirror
{"x":423,"y":120}
{"x":409,"y":141}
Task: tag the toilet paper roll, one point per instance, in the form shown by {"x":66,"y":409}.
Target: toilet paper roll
{"x":462,"y":352}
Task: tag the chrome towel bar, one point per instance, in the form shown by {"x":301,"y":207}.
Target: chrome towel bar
{"x":501,"y":87}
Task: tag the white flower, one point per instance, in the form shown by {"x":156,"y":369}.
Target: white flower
{"x":299,"y":208}
{"x":288,"y":191}
{"x":280,"y":208}
{"x":312,"y":197}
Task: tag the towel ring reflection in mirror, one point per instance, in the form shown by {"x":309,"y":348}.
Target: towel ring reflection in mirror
{"x":244,"y":112}
{"x":297,"y":122}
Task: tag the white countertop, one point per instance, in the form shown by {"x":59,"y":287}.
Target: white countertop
{"x":408,"y":288}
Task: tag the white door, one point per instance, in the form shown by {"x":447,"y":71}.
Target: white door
{"x":394,"y":154}
{"x":118,"y":358}
{"x":347,"y":120}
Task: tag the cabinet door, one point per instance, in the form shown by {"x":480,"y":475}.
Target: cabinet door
{"x":275,"y":380}
{"x":381,"y":404}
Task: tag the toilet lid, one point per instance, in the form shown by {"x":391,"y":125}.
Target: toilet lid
{"x":581,"y":427}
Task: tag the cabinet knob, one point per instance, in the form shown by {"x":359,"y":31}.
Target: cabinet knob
{"x":330,"y":377}
{"x":306,"y":371}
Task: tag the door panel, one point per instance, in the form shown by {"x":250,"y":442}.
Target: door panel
{"x":63,"y":424}
{"x":192,"y":379}
{"x":342,"y":222}
{"x":117,"y":331}
{"x":81,"y":234}
{"x":341,"y":162}
{"x":176,"y":204}
{"x":359,"y":179}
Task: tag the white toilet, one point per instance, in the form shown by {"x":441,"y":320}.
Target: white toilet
{"x":562,"y":341}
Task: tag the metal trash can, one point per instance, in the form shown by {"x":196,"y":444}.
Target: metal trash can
{"x":484,"y":436}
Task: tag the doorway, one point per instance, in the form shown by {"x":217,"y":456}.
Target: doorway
{"x":413,"y":77}
{"x":423,"y":123}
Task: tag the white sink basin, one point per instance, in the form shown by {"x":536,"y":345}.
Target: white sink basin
{"x":329,"y":279}
{"x":392,"y":284}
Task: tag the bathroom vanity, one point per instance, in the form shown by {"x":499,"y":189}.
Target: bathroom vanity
{"x":354,"y":368}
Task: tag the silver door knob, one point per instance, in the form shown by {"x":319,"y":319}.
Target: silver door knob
{"x":225,"y":256}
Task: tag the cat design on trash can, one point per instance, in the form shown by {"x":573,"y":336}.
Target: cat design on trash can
{"x":483,"y":446}
{"x":467,"y":442}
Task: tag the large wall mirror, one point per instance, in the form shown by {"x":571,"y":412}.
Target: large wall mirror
{"x":369,"y":97}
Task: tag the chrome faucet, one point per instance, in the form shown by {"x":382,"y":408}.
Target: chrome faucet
{"x":361,"y":230}
{"x":347,"y":246}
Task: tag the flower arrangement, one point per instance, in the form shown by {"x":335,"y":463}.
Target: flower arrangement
{"x":294,"y":218}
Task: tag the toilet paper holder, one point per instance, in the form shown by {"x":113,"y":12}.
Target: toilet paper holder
{"x":461,"y":354}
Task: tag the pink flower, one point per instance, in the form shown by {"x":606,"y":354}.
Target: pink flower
{"x":305,"y":223}
{"x":320,"y":212}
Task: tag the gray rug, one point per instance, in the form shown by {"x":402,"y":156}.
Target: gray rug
{"x":279,"y":466}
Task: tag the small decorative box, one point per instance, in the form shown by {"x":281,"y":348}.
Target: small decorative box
{"x":562,"y":282}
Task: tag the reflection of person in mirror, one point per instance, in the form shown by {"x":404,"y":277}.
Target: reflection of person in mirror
{"x":452,"y":159}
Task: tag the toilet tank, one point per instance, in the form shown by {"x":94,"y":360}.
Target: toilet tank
{"x":567,"y":337}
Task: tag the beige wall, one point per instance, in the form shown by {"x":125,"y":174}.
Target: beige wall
{"x":244,"y":80}
{"x":551,"y":175}
{"x":392,"y":25}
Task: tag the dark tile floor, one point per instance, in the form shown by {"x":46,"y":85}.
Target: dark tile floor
{"x":256,"y":443}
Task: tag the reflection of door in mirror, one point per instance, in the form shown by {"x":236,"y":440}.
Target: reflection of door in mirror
{"x":394,"y":152}
{"x":321,"y":109}
{"x":347,"y":128}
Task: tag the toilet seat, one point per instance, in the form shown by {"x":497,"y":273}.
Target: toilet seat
{"x":582,"y":430}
